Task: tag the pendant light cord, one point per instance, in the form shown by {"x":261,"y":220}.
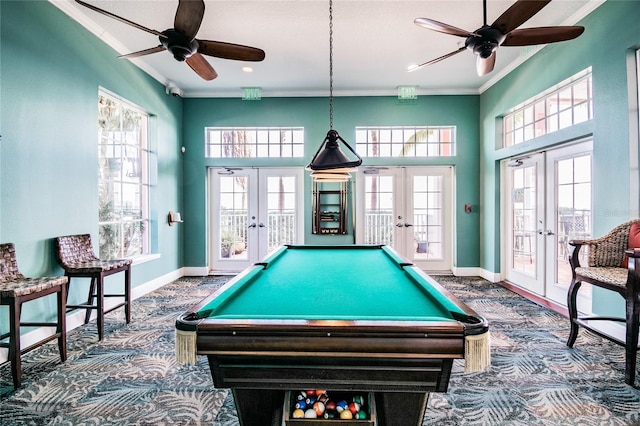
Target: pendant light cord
{"x":331,"y":64}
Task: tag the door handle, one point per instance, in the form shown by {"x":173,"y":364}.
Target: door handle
{"x":548,"y":232}
{"x":261,"y":225}
{"x":253,"y":225}
{"x":406,"y":225}
{"x":399,"y":225}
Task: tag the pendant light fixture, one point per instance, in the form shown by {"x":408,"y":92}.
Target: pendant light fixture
{"x":330,"y":164}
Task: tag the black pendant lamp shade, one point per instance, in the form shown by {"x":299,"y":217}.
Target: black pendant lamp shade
{"x":330,"y":164}
{"x":330,"y":157}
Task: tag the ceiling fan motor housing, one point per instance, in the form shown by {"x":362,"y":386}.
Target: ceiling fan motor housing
{"x":488,"y":41}
{"x":178,"y":44}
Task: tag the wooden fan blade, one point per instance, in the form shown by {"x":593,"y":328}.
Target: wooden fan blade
{"x":430,"y":24}
{"x":518,"y":14}
{"x":189,"y":17}
{"x":144,"y":52}
{"x":199,"y":64}
{"x":119,"y":18}
{"x":433,"y":61}
{"x":485,"y":66}
{"x":541,"y":35}
{"x":236,"y":52}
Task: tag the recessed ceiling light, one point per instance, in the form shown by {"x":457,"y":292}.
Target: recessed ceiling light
{"x":247,"y":69}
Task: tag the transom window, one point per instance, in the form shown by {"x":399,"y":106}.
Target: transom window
{"x":567,"y":104}
{"x":406,"y":141}
{"x":251,"y":142}
{"x":123,"y":184}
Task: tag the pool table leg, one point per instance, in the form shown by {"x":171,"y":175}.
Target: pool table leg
{"x":400,"y":409}
{"x":259,"y":406}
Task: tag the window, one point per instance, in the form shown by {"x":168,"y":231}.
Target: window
{"x":406,"y":141}
{"x":567,"y":104}
{"x":252,"y":142}
{"x":123,"y":184}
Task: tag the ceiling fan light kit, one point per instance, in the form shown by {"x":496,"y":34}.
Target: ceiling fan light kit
{"x":484,"y":41}
{"x":181,"y":40}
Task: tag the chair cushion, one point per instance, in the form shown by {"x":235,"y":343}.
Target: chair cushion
{"x":634,"y":241}
{"x":24,"y":286}
{"x":612,"y":275}
{"x":96,"y":266}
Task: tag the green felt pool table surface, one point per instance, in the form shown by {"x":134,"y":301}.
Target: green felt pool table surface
{"x":328,"y":283}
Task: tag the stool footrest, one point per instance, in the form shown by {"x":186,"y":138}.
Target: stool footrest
{"x":38,"y":324}
{"x":40,"y":343}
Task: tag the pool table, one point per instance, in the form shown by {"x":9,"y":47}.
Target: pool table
{"x":349,"y":318}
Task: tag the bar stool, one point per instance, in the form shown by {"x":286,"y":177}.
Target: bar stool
{"x":75,"y":255}
{"x":16,"y":289}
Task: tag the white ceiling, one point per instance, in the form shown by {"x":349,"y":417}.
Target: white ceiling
{"x":374,"y":43}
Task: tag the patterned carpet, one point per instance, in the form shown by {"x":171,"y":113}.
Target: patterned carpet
{"x":131,"y":377}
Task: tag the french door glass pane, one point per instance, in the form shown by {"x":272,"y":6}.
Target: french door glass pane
{"x":428,"y":228}
{"x":281,"y":214}
{"x":233,"y":216}
{"x":574,"y":210}
{"x":523,"y":232}
{"x":378,"y":210}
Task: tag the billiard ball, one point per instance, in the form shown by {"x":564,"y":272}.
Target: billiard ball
{"x":298,"y":414}
{"x":301,"y":405}
{"x":358,"y":399}
{"x":360,"y":415}
{"x":330,"y":405}
{"x":342,"y":406}
{"x":354,"y":407}
{"x":310,"y":414}
{"x":346,"y":414}
{"x":319,"y":407}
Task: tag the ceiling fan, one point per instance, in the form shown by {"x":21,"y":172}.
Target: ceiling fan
{"x":484,"y":41}
{"x":181,"y":40}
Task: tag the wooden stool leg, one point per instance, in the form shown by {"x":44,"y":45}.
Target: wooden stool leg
{"x":62,"y":322}
{"x":572,"y":306}
{"x":631,"y":346}
{"x":14,"y":342}
{"x":92,"y":289}
{"x":100,"y":304}
{"x":127,"y":293}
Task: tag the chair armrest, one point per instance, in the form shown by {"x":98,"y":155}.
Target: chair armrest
{"x":633,"y":281}
{"x":633,"y":252}
{"x":574,"y":258}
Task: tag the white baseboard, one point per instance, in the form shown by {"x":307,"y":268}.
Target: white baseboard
{"x":196,"y":271}
{"x":76,"y":319}
{"x":476,"y":272}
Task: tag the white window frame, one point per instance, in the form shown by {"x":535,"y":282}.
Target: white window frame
{"x":554,"y":109}
{"x":130,"y":186}
{"x":253,"y":142}
{"x":406,"y":141}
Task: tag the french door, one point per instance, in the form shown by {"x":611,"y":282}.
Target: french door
{"x":548,"y":203}
{"x":409,"y":209}
{"x":252,"y":212}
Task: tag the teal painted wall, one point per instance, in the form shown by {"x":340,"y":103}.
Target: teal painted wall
{"x":50,"y":75}
{"x":313,"y":115}
{"x":611,"y":31}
